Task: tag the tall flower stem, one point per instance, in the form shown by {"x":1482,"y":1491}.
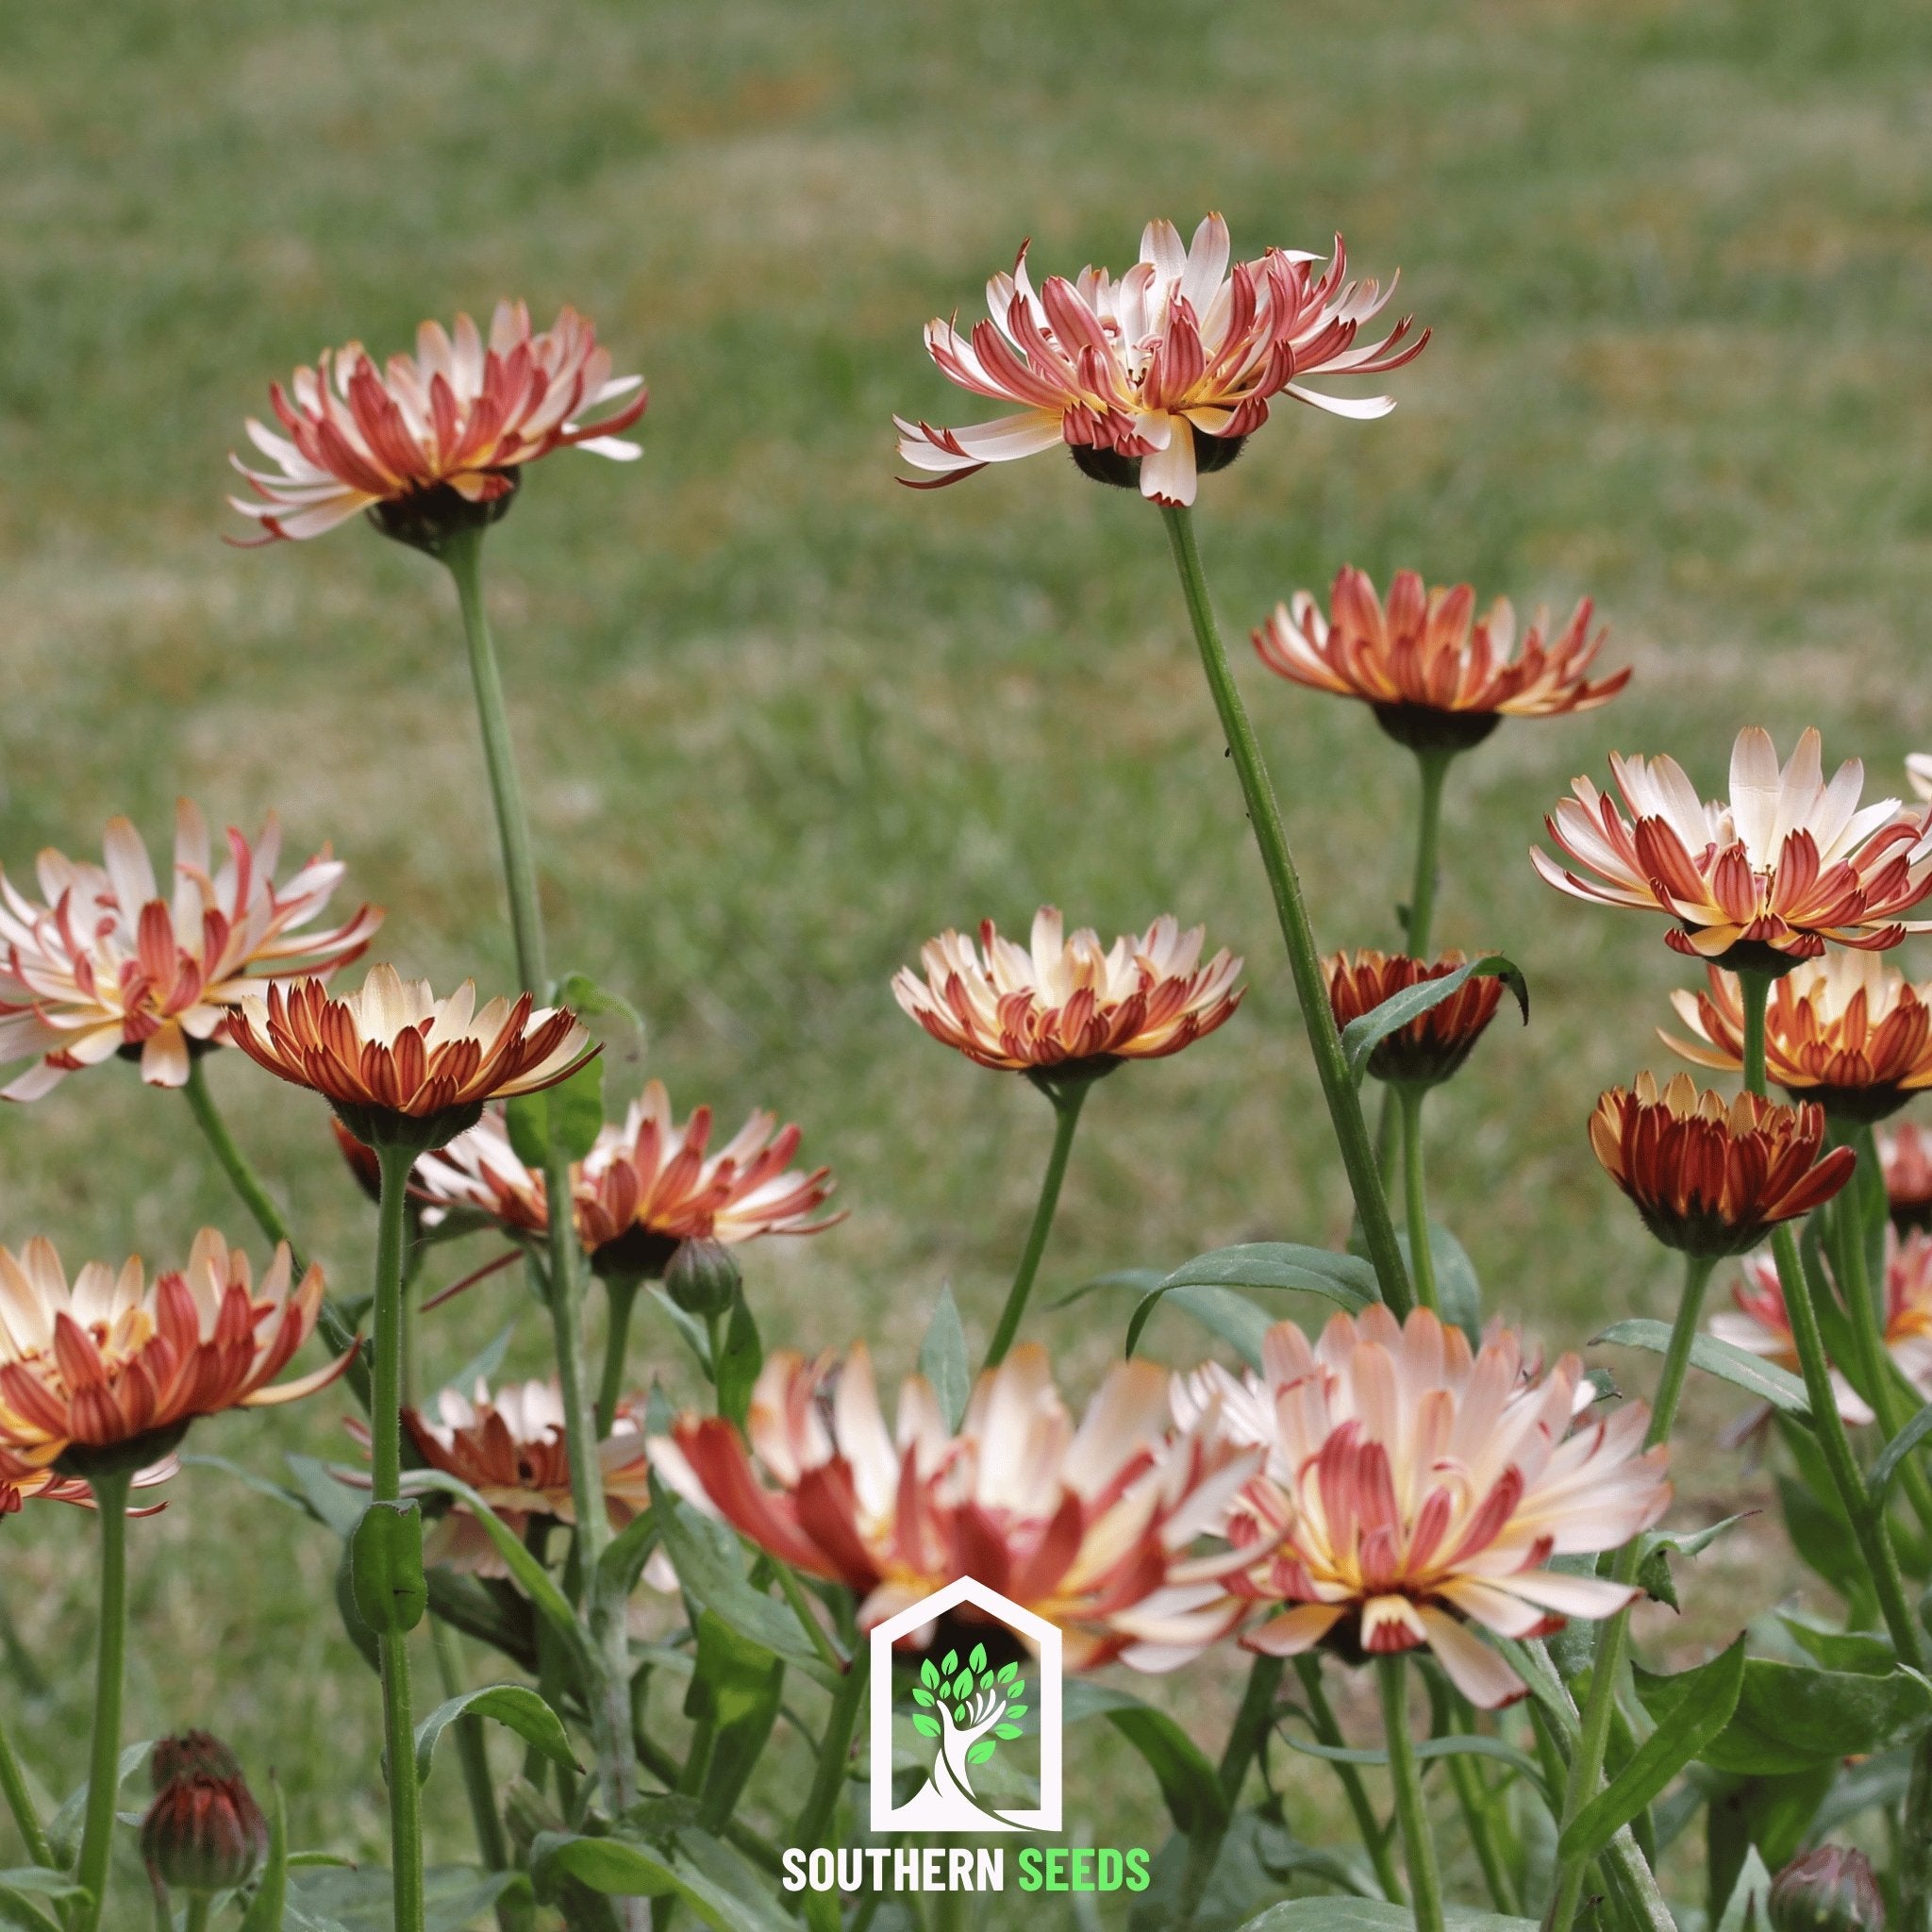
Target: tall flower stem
{"x":1067,"y":1103}
{"x":1449,"y":1715}
{"x":620,"y":1294}
{"x":1433,"y":768}
{"x":609,"y":1698}
{"x":1265,"y":814}
{"x":1599,"y":1708}
{"x":110,"y":1487}
{"x":472,"y":1756}
{"x":815,"y":1820}
{"x":1419,"y":1847}
{"x":1415,"y":1194}
{"x":1321,"y":1721}
{"x":20,"y":1803}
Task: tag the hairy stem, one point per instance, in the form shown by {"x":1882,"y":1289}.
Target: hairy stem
{"x":1419,"y":1847}
{"x":1433,"y":768}
{"x":1067,"y":1103}
{"x":1321,"y":1721}
{"x":110,"y":1489}
{"x":1450,"y":1717}
{"x":817,"y":1818}
{"x":472,"y":1756}
{"x":1416,"y":1210}
{"x":20,"y":1803}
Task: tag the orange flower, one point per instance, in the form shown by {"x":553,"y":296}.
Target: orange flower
{"x":21,"y":1482}
{"x":1789,"y":863}
{"x":1162,"y":375}
{"x":644,"y":1186}
{"x":1069,"y":1005}
{"x":107,"y":964}
{"x":1092,"y":1527}
{"x":1430,"y":1048}
{"x":1711,"y":1175}
{"x":397,"y":1063}
{"x":1412,"y":1489}
{"x":1435,"y":683}
{"x":1846,"y":1031}
{"x":1905,"y":1156}
{"x":112,"y":1360}
{"x":430,"y":437}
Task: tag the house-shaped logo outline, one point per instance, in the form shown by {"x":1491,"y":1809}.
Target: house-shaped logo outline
{"x":1045,"y":1639}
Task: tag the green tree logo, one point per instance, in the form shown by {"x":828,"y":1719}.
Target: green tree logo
{"x":969,"y":1707}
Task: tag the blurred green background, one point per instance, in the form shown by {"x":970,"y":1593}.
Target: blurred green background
{"x":782,"y":719}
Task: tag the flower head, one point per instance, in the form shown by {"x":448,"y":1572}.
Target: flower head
{"x":1435,"y":681}
{"x":1830,"y":1889}
{"x":105,"y":963}
{"x":434,"y":442}
{"x":399,"y":1064}
{"x":1786,"y":864}
{"x":114,"y":1359}
{"x":1162,"y":373}
{"x":204,"y":1832}
{"x":1711,"y":1175}
{"x":1847,"y":1031}
{"x":1413,"y":1488}
{"x":1066,"y":1004}
{"x":1905,"y":1154}
{"x":1431,"y":1046}
{"x":22,"y":1482}
{"x":1089,"y":1527}
{"x":644,"y":1186}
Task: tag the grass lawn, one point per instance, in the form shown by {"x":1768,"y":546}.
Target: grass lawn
{"x":783,"y":719}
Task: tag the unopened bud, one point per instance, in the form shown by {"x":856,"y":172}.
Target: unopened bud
{"x":1829,"y":1890}
{"x":703,"y":1279}
{"x":204,"y":1832}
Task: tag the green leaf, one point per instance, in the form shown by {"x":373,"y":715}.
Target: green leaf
{"x":735,"y":1689}
{"x":623,"y":1558}
{"x":1748,"y":1908}
{"x":1457,"y":1287}
{"x":1737,"y":1366}
{"x":1700,"y":1709}
{"x":64,"y":1833}
{"x":696,"y":1340}
{"x":928,"y":1676}
{"x":1373,"y":1915}
{"x":484,"y":1365}
{"x":1360,"y":1038}
{"x":1654,"y":1570}
{"x":1826,"y":1542}
{"x":629,"y":1868}
{"x":1007,"y":1673}
{"x":266,"y":1909}
{"x":339,"y":1505}
{"x":568,"y":1115}
{"x":949,"y":1663}
{"x":944,"y":1361}
{"x":926,"y":1726}
{"x":975,"y":1657}
{"x":1008,"y":1731}
{"x":1188,"y":1782}
{"x":1279,"y":1266}
{"x":1459,"y":1746}
{"x":739,"y":1361}
{"x":981,"y":1751}
{"x":361,"y":1899}
{"x":22,"y":1891}
{"x":261,"y":1484}
{"x":1866,"y":1652}
{"x":515,"y":1706}
{"x":1886,"y":1464}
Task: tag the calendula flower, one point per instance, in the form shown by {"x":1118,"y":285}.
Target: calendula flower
{"x":114,"y":1359}
{"x":400,"y":1065}
{"x":1436,"y":680}
{"x":1711,"y":1175}
{"x":1787,"y":863}
{"x":1847,"y":1031}
{"x":1068,"y":1004}
{"x":1905,"y":1156}
{"x":1162,"y":373}
{"x":104,"y":962}
{"x":204,"y":1833}
{"x":1428,"y":1048}
{"x":644,"y":1188}
{"x":436,"y":441}
{"x":1413,"y":1489}
{"x":22,"y":1482}
{"x":1092,"y":1526}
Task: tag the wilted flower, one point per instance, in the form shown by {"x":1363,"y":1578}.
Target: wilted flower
{"x":1905,"y":1156}
{"x":1430,"y":1047}
{"x":1830,"y":1889}
{"x":434,"y":441}
{"x":1847,"y":1031}
{"x":399,"y":1064}
{"x":1711,"y":1175}
{"x":1091,"y":1527}
{"x":106,"y":964}
{"x":1161,"y":374}
{"x":204,"y":1832}
{"x":1069,"y":1003}
{"x":1412,"y":1489}
{"x":1434,"y":682}
{"x":1765,"y":879}
{"x":112,"y":1360}
{"x":644,"y":1186}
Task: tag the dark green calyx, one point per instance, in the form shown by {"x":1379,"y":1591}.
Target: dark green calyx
{"x":703,"y":1278}
{"x":425,"y":520}
{"x":1424,"y":729}
{"x":382,"y":1126}
{"x":1211,"y":453}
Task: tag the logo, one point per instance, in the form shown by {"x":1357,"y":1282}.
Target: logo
{"x":970,"y":1709}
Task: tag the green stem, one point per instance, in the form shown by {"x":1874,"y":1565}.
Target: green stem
{"x":1251,"y":1725}
{"x":1914,"y":1863}
{"x":1599,"y":1708}
{"x":620,"y":1297}
{"x":1265,"y":814}
{"x":20,"y":1803}
{"x":793,"y":1593}
{"x":1424,"y":1882}
{"x":1450,"y":1717}
{"x":1067,"y":1103}
{"x":110,"y":1489}
{"x":1367,"y":1825}
{"x":473,"y":1755}
{"x":815,"y":1820}
{"x":1433,"y":767}
{"x":198,"y":1903}
{"x":1421,"y":1259}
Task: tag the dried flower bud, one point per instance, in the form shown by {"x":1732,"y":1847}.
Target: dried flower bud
{"x":204,"y":1832}
{"x":1829,"y":1890}
{"x":703,"y":1279}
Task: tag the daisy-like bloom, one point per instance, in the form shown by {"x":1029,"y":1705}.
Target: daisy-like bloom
{"x":1413,"y":1489}
{"x":1711,"y":1175}
{"x":21,"y":1482}
{"x":1905,"y":1156}
{"x":1435,"y":680}
{"x":399,"y":1065}
{"x":104,"y":962}
{"x":1759,"y":1322}
{"x":1767,"y":878}
{"x":1162,"y":373}
{"x":1432,"y":1047}
{"x":1847,"y":1031}
{"x":436,"y":441}
{"x":114,"y":1359}
{"x":1069,"y":1003}
{"x":644,"y":1186}
{"x":1091,"y":1526}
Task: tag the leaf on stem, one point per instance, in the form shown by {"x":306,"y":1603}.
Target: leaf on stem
{"x":1659,"y":1545}
{"x":1279,"y":1266}
{"x":267,"y":1908}
{"x":516,"y":1706}
{"x":567,"y":1116}
{"x":64,"y":1833}
{"x":1360,"y":1038}
{"x":1737,"y":1366}
{"x":631,"y":1868}
{"x":944,"y":1361}
{"x":1894,"y":1453}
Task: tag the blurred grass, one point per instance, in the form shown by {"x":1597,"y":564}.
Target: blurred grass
{"x":782,"y":719}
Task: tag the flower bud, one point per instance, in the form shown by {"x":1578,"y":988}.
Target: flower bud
{"x":703,"y":1279}
{"x":204,"y":1832}
{"x":1829,"y":1890}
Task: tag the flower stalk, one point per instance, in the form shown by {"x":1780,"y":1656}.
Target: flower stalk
{"x":110,"y":1488}
{"x":1421,"y":1259}
{"x":21,"y":1804}
{"x":1418,"y":1846}
{"x":1265,"y":814}
{"x":1068,"y":1100}
{"x":1433,"y":769}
